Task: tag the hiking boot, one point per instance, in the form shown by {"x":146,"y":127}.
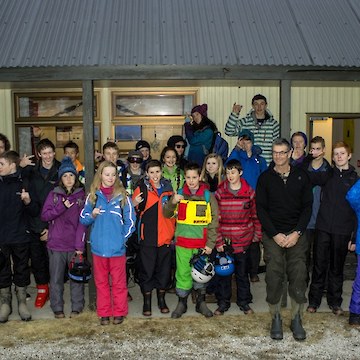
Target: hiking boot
{"x":354,"y":319}
{"x":221,"y":309}
{"x":104,"y":320}
{"x":276,"y":331}
{"x":147,"y":304}
{"x":180,"y":309}
{"x":59,"y":314}
{"x":74,"y":314}
{"x":336,"y":310}
{"x":42,"y":295}
{"x":22,"y":307}
{"x":297,"y":329}
{"x":246,"y":309}
{"x":118,"y":320}
{"x":201,"y":306}
{"x":5,"y":304}
{"x":161,"y":302}
{"x":311,"y":309}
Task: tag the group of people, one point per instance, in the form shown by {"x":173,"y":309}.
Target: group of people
{"x":181,"y":209}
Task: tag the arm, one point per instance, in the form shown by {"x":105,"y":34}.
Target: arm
{"x":276,"y":131}
{"x":256,"y":222}
{"x":86,"y":213}
{"x":212,"y":227}
{"x":233,"y":125}
{"x":129,"y":218}
{"x":51,"y":209}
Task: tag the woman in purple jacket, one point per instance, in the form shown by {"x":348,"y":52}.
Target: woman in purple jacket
{"x":66,"y":237}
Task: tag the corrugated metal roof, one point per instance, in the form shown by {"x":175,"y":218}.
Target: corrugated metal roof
{"x":49,"y":33}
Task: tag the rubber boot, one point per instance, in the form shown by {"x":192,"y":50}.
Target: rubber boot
{"x":5,"y":304}
{"x":161,"y":301}
{"x":42,"y":295}
{"x":296,"y":324}
{"x":22,"y":308}
{"x":181,"y":308}
{"x":276,"y":331}
{"x":201,"y":306}
{"x":147,"y":304}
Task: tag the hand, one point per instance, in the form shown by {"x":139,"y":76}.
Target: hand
{"x":207,"y":250}
{"x":138,"y":199}
{"x":240,"y":143}
{"x":236,"y":108}
{"x":96,"y":211}
{"x":176,"y":198}
{"x":292,"y":239}
{"x":351,"y":246}
{"x":25,"y":197}
{"x":67,"y":203}
{"x":44,"y":235}
{"x":280,"y":239}
{"x":26,"y":160}
{"x":78,"y":252}
{"x":220,"y":249}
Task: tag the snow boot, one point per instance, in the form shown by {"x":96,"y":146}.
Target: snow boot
{"x":161,"y":301}
{"x":147,"y":304}
{"x":22,"y":308}
{"x":201,"y":306}
{"x":5,"y":304}
{"x":42,"y":295}
{"x":181,"y":308}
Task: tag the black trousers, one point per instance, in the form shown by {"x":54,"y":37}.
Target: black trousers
{"x":330,"y":252}
{"x":19,"y":272}
{"x":223,"y":285}
{"x":155,"y":266}
{"x":39,"y":260}
{"x":254,"y":258}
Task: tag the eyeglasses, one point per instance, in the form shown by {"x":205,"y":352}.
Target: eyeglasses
{"x":180,"y":146}
{"x":279,"y":153}
{"x":136,"y":160}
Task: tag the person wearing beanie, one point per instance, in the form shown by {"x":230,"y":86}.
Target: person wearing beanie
{"x":298,"y":143}
{"x":259,"y":121}
{"x":179,"y":144}
{"x":66,"y":237}
{"x":199,"y":132}
{"x":144,"y":147}
{"x":134,"y":172}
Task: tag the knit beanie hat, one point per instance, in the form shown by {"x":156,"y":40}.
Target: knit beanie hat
{"x":175,"y":139}
{"x":66,"y":166}
{"x":142,"y":144}
{"x":247,"y":133}
{"x":201,"y":109}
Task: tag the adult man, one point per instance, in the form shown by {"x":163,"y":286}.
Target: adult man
{"x":284,"y":201}
{"x":259,"y":121}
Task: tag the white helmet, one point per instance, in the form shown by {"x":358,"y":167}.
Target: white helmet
{"x":202,"y":270}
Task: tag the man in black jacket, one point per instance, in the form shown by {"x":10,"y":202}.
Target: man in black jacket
{"x":284,"y":200}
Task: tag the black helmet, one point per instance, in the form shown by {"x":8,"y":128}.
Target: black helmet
{"x":79,"y":269}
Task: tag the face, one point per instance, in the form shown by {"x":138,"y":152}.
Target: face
{"x":233,"y":176}
{"x":108,"y":176}
{"x":68,"y":179}
{"x":197,"y":117}
{"x":341,"y":158}
{"x":298,"y":143}
{"x":6,"y":168}
{"x":47,"y":157}
{"x":146,"y":153}
{"x":180,"y":148}
{"x":280,"y":155}
{"x":111,"y":154}
{"x":247,"y":144}
{"x":135,"y":165}
{"x":170,"y":158}
{"x":259,"y":106}
{"x":2,"y":147}
{"x":154,"y":174}
{"x":71,"y":153}
{"x":212,"y":166}
{"x":316,"y":150}
{"x":192,"y":179}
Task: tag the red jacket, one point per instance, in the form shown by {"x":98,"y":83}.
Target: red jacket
{"x":237,"y":216}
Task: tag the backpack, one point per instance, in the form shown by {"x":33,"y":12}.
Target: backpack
{"x":220,"y":146}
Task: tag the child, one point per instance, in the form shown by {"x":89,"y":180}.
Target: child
{"x":71,"y":150}
{"x":144,"y":147}
{"x":66,"y":236}
{"x":15,"y":205}
{"x":171,"y":171}
{"x":155,"y":235}
{"x":197,"y":220}
{"x":133,"y":173}
{"x":238,"y":223}
{"x":111,"y":153}
{"x":179,"y":144}
{"x":212,"y":171}
{"x":335,"y":224}
{"x":111,"y":214}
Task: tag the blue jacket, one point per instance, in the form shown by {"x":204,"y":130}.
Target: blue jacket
{"x":353,"y":197}
{"x":252,"y":166}
{"x":112,"y":227}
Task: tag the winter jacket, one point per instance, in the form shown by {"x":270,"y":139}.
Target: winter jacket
{"x":353,"y":197}
{"x":335,"y":214}
{"x":200,"y":142}
{"x":176,"y":177}
{"x":130,"y":181}
{"x":283,"y":207}
{"x":42,"y":186}
{"x":252,"y":166}
{"x":14,"y":214}
{"x":155,"y":228}
{"x":66,"y":233}
{"x":195,"y":231}
{"x":238,"y":220}
{"x":264,"y":134}
{"x":112,"y":227}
